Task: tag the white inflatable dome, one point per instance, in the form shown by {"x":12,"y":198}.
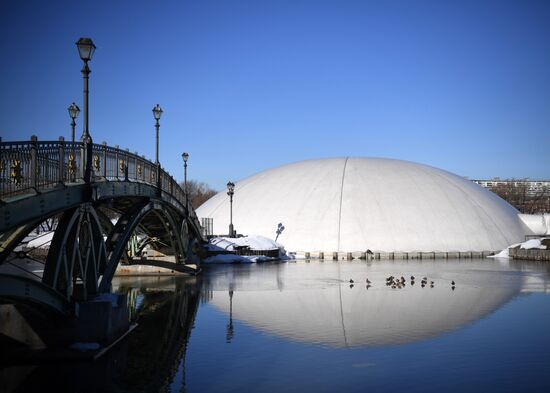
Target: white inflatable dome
{"x":353,"y":204}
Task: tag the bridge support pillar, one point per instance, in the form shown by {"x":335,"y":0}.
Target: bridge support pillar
{"x":101,"y":320}
{"x":95,"y":324}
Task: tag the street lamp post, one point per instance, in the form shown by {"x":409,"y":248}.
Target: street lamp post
{"x":185,"y":157}
{"x":86,"y":49}
{"x":74,"y":110}
{"x":230,"y":192}
{"x":157,"y":113}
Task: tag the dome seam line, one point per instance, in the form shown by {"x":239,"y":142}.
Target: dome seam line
{"x":341,"y":199}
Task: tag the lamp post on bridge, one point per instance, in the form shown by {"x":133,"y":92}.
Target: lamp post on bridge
{"x":86,"y":49}
{"x":157,"y":113}
{"x":74,"y":110}
{"x":230,"y":192}
{"x":185,"y":157}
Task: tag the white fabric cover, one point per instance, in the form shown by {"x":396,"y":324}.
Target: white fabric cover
{"x":539,"y":224}
{"x":354,"y":203}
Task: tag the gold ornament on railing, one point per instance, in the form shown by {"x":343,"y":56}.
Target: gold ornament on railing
{"x":121,"y":166}
{"x":15,"y":174}
{"x":96,"y":163}
{"x":2,"y":166}
{"x":139,"y":170}
{"x":71,"y":164}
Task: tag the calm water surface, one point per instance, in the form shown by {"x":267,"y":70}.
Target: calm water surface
{"x":302,"y":327}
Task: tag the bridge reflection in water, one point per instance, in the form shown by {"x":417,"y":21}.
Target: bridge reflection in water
{"x":150,"y":357}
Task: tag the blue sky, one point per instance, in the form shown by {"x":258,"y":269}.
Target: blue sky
{"x":249,"y":85}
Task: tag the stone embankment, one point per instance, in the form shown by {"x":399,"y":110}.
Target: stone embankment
{"x":532,"y":254}
{"x":539,"y":253}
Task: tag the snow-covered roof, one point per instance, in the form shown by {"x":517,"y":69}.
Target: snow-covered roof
{"x":356,"y":203}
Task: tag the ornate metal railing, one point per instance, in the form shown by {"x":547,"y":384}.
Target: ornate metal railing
{"x":37,"y":166}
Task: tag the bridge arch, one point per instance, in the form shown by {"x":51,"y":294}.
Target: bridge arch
{"x":40,"y":180}
{"x":131,"y":220}
{"x":77,"y":253}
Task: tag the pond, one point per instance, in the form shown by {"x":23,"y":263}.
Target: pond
{"x":304,"y":327}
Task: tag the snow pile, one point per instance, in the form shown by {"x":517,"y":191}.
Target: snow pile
{"x":529,"y":244}
{"x":232,"y":258}
{"x":44,"y":239}
{"x":39,"y":241}
{"x":533,"y":243}
{"x":255,"y":242}
{"x":504,"y":253}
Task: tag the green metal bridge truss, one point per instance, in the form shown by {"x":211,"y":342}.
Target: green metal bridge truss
{"x":98,"y":218}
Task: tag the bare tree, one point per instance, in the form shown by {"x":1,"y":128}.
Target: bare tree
{"x":519,"y":194}
{"x":199,"y":192}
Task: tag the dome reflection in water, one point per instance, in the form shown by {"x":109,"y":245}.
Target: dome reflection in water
{"x":303,"y":327}
{"x":317,"y":304}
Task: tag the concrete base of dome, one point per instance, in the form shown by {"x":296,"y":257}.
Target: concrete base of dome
{"x":335,"y":256}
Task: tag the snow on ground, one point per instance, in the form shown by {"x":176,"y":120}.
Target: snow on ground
{"x":255,"y":242}
{"x":533,"y":243}
{"x":42,"y":240}
{"x":232,"y":258}
{"x":529,"y":244}
{"x":504,"y":253}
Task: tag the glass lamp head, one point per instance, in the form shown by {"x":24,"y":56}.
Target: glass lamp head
{"x":86,"y":48}
{"x":157,"y":112}
{"x":74,"y":110}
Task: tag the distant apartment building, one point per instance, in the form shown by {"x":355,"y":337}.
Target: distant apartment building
{"x":533,"y":187}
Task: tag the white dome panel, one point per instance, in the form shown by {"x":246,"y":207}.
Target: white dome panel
{"x":353,"y":204}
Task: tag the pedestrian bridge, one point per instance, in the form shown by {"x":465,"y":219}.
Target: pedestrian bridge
{"x":97,"y":200}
